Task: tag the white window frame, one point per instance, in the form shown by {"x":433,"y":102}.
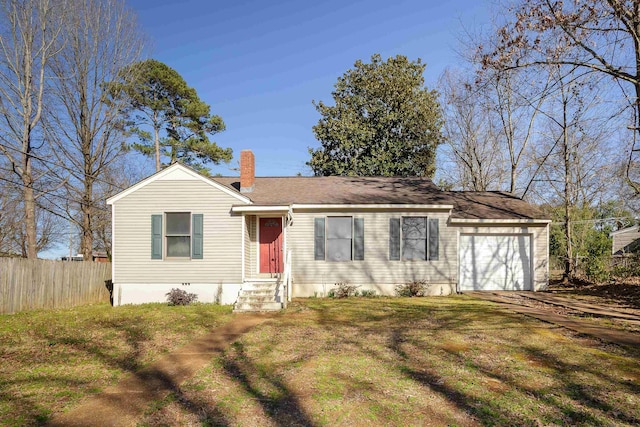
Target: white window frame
{"x":426,"y":239}
{"x":326,"y":238}
{"x":166,"y":235}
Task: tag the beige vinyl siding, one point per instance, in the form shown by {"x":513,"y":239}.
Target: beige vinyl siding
{"x":222,"y":253}
{"x":539,"y":247}
{"x":376,"y":268}
{"x":624,"y":239}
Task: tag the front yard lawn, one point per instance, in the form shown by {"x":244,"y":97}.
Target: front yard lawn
{"x":393,"y":361}
{"x":380,"y":361}
{"x":51,"y":359}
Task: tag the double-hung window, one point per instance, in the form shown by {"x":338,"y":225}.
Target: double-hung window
{"x":180,"y":237}
{"x":413,"y":238}
{"x":339,"y":238}
{"x":178,"y":234}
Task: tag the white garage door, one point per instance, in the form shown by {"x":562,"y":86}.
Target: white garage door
{"x":495,"y":262}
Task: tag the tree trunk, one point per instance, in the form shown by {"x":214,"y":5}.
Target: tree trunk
{"x":569,"y":265}
{"x":156,"y":139}
{"x":31,"y":235}
{"x":31,"y":231}
{"x":86,"y":200}
{"x":86,"y":208}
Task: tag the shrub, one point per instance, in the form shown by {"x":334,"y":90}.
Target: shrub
{"x":627,"y":266}
{"x":368,"y":293}
{"x":180,"y":297}
{"x":343,"y":290}
{"x":596,"y":269}
{"x":417,"y":288}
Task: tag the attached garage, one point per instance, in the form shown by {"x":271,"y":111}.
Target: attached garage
{"x":495,"y":262}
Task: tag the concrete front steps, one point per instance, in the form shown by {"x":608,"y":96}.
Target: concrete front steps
{"x":259,"y":295}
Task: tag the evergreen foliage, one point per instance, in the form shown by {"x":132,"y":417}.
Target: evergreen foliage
{"x":385,"y":122}
{"x":161,"y":99}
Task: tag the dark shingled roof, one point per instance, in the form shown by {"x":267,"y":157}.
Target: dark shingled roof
{"x":383,"y":190}
{"x":492,"y":205}
{"x":340,"y":190}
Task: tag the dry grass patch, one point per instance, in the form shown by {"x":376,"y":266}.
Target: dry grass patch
{"x":429,"y":361}
{"x":51,"y":359}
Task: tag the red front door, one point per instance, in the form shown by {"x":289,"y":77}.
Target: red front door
{"x":270,"y":245}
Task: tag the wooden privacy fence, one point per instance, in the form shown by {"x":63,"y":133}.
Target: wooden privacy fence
{"x":31,"y":284}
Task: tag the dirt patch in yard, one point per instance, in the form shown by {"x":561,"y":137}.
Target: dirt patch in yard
{"x":621,"y":293}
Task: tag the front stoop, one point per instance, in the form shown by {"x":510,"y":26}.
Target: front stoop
{"x":258,"y":296}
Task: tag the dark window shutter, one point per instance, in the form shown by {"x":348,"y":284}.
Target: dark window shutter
{"x":358,"y":239}
{"x":394,"y":239}
{"x":319,"y":239}
{"x":197,"y":236}
{"x":156,"y":236}
{"x":434,"y":237}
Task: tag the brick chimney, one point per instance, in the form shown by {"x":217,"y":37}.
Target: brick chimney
{"x":247,"y":171}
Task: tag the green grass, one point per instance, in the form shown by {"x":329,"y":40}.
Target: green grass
{"x":421,"y":361}
{"x":353,"y":362}
{"x":51,"y":359}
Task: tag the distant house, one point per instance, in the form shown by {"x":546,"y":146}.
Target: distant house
{"x":625,"y":241}
{"x":97,"y":256}
{"x":238,"y":240}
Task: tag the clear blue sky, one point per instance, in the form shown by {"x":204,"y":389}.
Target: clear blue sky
{"x":259,"y":64}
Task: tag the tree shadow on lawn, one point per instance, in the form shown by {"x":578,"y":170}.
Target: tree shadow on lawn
{"x":566,"y":373}
{"x":33,"y":413}
{"x":281,"y":405}
{"x":487,"y":410}
{"x":490,"y":412}
{"x":126,"y":358}
{"x":166,"y":388}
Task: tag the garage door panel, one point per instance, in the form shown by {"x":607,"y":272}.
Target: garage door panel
{"x":495,"y":262}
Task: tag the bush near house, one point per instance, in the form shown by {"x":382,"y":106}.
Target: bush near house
{"x":417,"y":288}
{"x":343,"y":290}
{"x":180,"y":297}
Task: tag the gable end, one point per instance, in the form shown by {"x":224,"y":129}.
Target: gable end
{"x":177,"y":172}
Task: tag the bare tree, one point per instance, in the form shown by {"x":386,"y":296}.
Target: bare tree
{"x":10,"y":212}
{"x":514,"y":98}
{"x":594,"y":35}
{"x":119,"y":175}
{"x":12,"y":218}
{"x":29,"y":31}
{"x":101,"y":37}
{"x":573,"y":145}
{"x":471,"y":140}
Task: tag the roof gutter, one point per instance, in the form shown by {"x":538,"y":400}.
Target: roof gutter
{"x":258,"y":208}
{"x":281,"y":208}
{"x":370,"y":206}
{"x":465,"y":221}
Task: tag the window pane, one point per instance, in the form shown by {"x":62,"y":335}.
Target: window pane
{"x":178,"y":246}
{"x":414,"y":249}
{"x":414,"y":228}
{"x":338,"y":249}
{"x":318,"y":239}
{"x":339,"y":227}
{"x":433,"y":239}
{"x":394,"y":238}
{"x":178,"y":223}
